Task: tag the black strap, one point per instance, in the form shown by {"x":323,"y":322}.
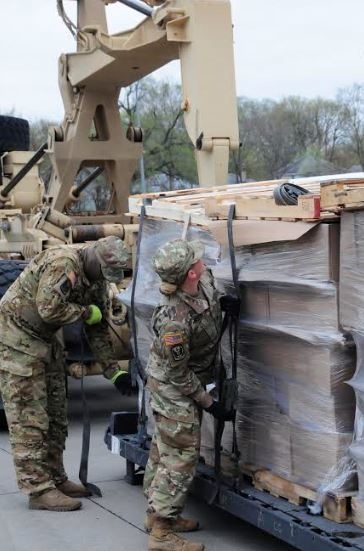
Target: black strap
{"x":143,"y":418}
{"x":225,"y":384}
{"x":235,"y":330}
{"x":86,"y":430}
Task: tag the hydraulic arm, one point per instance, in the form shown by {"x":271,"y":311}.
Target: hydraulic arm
{"x":199,"y":33}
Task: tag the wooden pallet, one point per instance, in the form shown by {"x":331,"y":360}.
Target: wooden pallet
{"x":253,"y":202}
{"x":336,"y":507}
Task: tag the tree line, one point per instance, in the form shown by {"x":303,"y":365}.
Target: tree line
{"x":273,"y":134}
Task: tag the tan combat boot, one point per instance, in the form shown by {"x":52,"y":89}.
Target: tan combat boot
{"x":71,"y":489}
{"x":180,"y":524}
{"x":54,"y":500}
{"x":162,"y":538}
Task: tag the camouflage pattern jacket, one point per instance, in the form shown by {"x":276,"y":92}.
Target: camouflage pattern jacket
{"x":182,"y":357}
{"x":51,"y":292}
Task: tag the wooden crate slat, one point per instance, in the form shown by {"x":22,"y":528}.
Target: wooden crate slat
{"x":340,"y":194}
{"x":308,"y":207}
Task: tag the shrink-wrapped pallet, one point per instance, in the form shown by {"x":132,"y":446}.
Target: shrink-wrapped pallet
{"x":295,"y":360}
{"x":352,"y":319}
{"x":295,"y":413}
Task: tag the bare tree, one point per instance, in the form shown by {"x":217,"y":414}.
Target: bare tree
{"x":353,"y":101}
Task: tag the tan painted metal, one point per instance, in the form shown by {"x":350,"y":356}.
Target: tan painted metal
{"x":199,"y":33}
{"x":28,"y":192}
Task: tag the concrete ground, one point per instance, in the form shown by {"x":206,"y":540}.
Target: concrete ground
{"x":114,"y":522}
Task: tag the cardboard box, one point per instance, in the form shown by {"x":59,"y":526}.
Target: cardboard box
{"x":352,"y":271}
{"x":315,"y":456}
{"x":323,"y":368}
{"x":265,"y":442}
{"x":297,"y":310}
{"x":313,"y":256}
{"x":316,"y":411}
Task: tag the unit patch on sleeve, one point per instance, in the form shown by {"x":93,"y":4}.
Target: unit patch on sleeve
{"x":178,"y":352}
{"x":64,"y":287}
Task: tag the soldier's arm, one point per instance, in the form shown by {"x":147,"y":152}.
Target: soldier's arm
{"x":174,"y":342}
{"x":55,"y":286}
{"x":99,"y":336}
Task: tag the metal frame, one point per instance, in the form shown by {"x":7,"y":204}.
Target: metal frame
{"x":276,"y":516}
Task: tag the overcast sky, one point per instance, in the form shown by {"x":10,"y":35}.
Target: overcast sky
{"x":282,"y":47}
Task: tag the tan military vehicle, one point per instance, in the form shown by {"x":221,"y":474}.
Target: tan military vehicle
{"x":199,"y":34}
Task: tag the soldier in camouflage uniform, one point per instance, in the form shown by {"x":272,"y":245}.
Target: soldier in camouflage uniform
{"x":59,"y":286}
{"x":186,"y":326}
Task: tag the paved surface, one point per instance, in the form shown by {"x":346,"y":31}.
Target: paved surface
{"x":114,"y":522}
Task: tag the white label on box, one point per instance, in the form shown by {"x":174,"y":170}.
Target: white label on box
{"x":115,"y":445}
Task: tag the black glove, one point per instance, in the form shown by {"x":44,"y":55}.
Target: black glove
{"x":230,"y":304}
{"x":219,"y":412}
{"x":122,"y":381}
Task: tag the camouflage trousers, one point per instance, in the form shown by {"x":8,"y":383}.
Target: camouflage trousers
{"x":171,"y":466}
{"x":35,"y":409}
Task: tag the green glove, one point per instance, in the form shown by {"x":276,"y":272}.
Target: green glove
{"x":94,"y":315}
{"x":122,"y":381}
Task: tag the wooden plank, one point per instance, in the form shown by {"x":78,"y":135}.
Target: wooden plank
{"x":308,"y":207}
{"x":211,"y":190}
{"x":338,"y":507}
{"x":218,"y":209}
{"x":178,"y":215}
{"x":280,"y":487}
{"x":339,"y":194}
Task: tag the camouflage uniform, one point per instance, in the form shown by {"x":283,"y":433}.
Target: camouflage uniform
{"x":51,"y":292}
{"x":181,"y":362}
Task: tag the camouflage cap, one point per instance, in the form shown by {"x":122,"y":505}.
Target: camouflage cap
{"x":173,"y":260}
{"x":113,"y":256}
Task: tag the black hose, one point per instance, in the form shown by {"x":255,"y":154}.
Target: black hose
{"x":287,"y":194}
{"x":23,"y":171}
{"x":90,"y":178}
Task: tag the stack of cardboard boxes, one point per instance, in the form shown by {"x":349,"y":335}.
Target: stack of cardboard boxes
{"x":296,"y":412}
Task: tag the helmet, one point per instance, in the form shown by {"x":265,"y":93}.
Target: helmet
{"x":112,"y":255}
{"x":173,"y":260}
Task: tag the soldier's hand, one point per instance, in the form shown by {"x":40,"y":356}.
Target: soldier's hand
{"x":230,"y":304}
{"x":92,"y":315}
{"x":219,"y":412}
{"x":122,"y":381}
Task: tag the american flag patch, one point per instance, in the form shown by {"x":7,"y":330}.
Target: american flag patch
{"x":171,"y":339}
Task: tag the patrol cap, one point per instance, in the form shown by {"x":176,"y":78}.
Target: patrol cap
{"x":113,"y":256}
{"x":173,"y":260}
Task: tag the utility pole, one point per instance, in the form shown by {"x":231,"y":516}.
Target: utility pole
{"x":143,"y":185}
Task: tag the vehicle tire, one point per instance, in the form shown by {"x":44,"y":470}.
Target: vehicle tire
{"x":9,"y":271}
{"x":14,"y":134}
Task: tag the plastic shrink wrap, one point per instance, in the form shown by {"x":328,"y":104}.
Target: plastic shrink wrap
{"x":352,"y":319}
{"x":296,"y":412}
